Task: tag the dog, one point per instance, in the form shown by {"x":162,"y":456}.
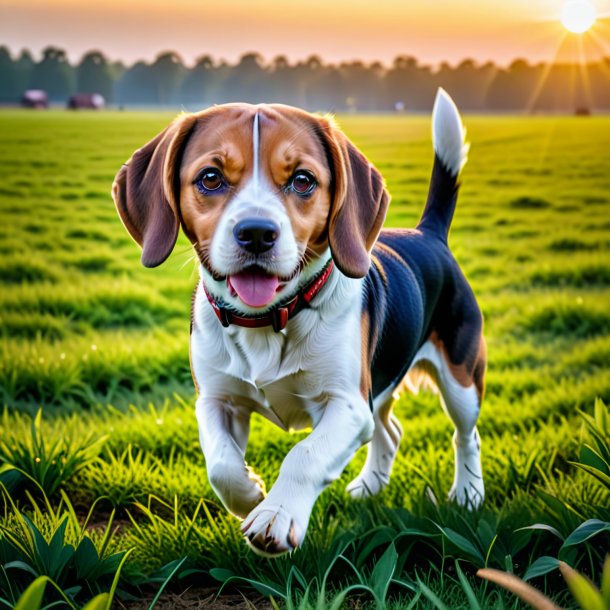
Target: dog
{"x":306,"y":311}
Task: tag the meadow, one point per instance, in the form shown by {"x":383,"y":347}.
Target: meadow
{"x":103,"y":483}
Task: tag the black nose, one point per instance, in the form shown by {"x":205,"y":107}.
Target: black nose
{"x":256,"y":235}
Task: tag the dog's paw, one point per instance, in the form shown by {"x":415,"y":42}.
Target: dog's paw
{"x":367,"y":484}
{"x":271,"y":531}
{"x":470,"y":495}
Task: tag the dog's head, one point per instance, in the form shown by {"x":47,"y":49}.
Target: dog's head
{"x":261,"y":192}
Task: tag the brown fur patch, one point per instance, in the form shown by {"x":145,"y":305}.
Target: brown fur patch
{"x":472,"y":370}
{"x":223,"y":140}
{"x":366,"y":356}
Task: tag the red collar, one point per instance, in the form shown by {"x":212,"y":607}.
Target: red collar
{"x":278,"y":316}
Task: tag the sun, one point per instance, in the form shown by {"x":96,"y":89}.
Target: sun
{"x":578,"y":16}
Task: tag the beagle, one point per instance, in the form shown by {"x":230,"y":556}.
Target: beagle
{"x":306,"y":311}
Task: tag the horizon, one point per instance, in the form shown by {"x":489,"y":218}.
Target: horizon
{"x":499,"y":32}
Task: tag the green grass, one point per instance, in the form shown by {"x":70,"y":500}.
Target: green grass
{"x":101,"y":345}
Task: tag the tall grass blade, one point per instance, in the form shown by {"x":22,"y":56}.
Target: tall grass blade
{"x":468,"y":590}
{"x":431,"y":596}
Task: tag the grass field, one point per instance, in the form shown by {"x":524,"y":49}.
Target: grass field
{"x":100,"y":345}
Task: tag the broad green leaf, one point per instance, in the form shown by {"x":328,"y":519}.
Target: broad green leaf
{"x":590,"y":457}
{"x":598,"y":474}
{"x":21,"y":565}
{"x":86,"y":559}
{"x":382,"y":535}
{"x":543,"y":565}
{"x":32,"y":596}
{"x":221,"y":574}
{"x":587,"y":530}
{"x":382,"y":573}
{"x":463,"y":544}
{"x":542,"y":527}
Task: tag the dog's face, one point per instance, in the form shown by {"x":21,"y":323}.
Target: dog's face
{"x":261,"y":192}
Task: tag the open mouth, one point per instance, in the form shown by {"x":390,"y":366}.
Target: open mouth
{"x":254,"y":286}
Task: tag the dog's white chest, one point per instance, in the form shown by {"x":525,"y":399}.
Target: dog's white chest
{"x":294,"y":402}
{"x":286,"y":376}
{"x":282,"y":371}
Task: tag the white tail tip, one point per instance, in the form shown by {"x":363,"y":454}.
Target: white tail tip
{"x":448,"y":133}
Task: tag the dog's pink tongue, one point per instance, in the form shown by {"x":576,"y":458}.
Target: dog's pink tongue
{"x":254,"y":287}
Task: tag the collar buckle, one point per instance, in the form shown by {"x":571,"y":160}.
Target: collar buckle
{"x":279,"y":318}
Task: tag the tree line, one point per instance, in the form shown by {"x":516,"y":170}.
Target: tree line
{"x":312,"y":83}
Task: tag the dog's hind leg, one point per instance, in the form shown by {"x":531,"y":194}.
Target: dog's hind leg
{"x":382,"y":449}
{"x":462,"y":405}
{"x":461,"y":393}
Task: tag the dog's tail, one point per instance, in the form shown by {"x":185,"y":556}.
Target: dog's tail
{"x":450,"y":153}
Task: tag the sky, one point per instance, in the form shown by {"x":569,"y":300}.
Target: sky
{"x":336,"y":30}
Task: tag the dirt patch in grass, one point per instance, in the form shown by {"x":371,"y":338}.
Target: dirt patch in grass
{"x":197,"y":599}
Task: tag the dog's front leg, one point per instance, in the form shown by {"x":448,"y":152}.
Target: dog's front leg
{"x":278,"y":524}
{"x":223,"y":433}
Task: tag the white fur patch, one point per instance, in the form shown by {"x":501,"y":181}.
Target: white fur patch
{"x":448,"y":133}
{"x":256,"y":152}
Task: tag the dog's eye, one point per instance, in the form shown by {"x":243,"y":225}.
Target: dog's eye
{"x":210,"y":180}
{"x":303,"y":183}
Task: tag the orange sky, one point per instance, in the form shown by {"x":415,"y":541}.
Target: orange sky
{"x":431,"y":30}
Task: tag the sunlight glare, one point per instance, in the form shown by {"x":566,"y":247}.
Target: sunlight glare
{"x":578,"y":16}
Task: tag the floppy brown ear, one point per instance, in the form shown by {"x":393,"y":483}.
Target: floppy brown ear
{"x":146,"y":191}
{"x":359,"y":205}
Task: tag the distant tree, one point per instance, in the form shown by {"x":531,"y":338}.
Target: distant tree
{"x":168,"y":72}
{"x":9,"y":85}
{"x":326,"y":89}
{"x":136,"y":86}
{"x":94,"y":75}
{"x":247,"y":81}
{"x":117,"y":69}
{"x":284,"y":84}
{"x":25,"y":65}
{"x":312,"y":84}
{"x":199,"y":83}
{"x":598,"y":75}
{"x":26,"y":62}
{"x":410,"y":84}
{"x":54,"y":74}
{"x":468,"y":83}
{"x":363,"y":85}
